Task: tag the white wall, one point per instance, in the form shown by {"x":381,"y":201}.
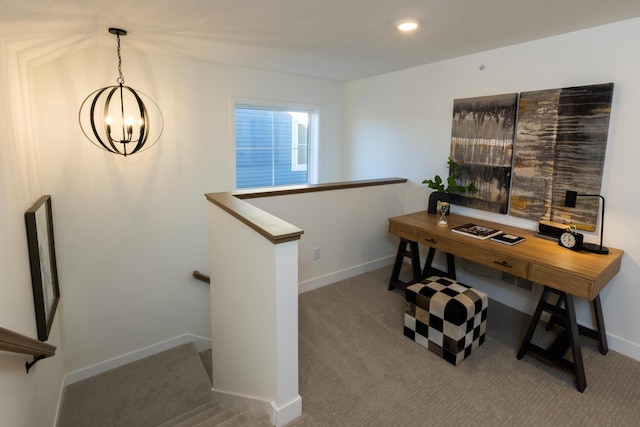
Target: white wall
{"x":399,"y":124}
{"x":131,"y":230}
{"x":349,"y":227}
{"x":254,"y":318}
{"x":37,"y":392}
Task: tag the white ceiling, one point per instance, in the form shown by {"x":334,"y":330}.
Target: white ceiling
{"x":334,"y":39}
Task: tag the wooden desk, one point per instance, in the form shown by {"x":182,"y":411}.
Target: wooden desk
{"x":562,"y":272}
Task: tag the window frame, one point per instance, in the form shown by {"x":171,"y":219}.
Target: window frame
{"x":271,"y":105}
{"x":296,"y":166}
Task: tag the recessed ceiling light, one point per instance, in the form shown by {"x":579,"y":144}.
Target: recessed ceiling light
{"x":407,"y":25}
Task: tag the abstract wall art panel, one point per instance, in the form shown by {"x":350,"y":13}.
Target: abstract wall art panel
{"x":482,"y":145}
{"x":561,"y":139}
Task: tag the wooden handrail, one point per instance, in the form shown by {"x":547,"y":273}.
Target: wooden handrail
{"x":313,"y":188}
{"x":201,"y":277}
{"x":269,"y":226}
{"x":17,"y":343}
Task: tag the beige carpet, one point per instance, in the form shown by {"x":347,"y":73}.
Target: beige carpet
{"x":143,"y":393}
{"x":358,"y":369}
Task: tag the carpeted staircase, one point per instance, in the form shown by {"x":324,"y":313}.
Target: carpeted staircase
{"x":217,"y":414}
{"x":168,"y":389}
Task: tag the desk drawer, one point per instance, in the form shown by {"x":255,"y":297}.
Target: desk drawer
{"x":562,"y":281}
{"x":404,"y":231}
{"x":473,"y":252}
{"x":513,"y":266}
{"x":437,"y":242}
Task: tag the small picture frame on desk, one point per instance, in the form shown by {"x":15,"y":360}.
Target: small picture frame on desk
{"x":42,"y":258}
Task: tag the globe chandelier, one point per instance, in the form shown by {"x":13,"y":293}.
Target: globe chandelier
{"x":120,"y":119}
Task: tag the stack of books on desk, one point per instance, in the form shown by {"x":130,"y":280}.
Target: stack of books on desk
{"x":476,"y":231}
{"x":507,"y":239}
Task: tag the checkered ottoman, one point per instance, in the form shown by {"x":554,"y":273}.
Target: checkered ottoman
{"x":446,"y":317}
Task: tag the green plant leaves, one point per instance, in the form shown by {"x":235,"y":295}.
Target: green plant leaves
{"x":452,"y":181}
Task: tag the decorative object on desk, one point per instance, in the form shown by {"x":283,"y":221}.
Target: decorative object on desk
{"x":476,"y":231}
{"x":444,"y":211}
{"x":571,"y":239}
{"x":42,"y":257}
{"x":561,"y":138}
{"x":443,"y":193}
{"x":117,"y":120}
{"x":435,"y":199}
{"x":550,"y":230}
{"x":507,"y":239}
{"x":570,"y":200}
{"x":482,"y":141}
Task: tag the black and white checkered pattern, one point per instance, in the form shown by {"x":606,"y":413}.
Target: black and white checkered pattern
{"x":446,"y":317}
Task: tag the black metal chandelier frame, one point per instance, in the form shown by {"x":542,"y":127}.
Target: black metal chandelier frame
{"x":107,"y":100}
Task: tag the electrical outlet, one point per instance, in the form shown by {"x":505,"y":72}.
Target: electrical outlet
{"x":316,"y":253}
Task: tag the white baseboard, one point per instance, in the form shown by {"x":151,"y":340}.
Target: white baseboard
{"x":283,"y":415}
{"x":336,"y":276}
{"x":81,"y":374}
{"x":60,"y":398}
{"x":623,"y":346}
{"x":279,"y":416}
{"x":258,"y":406}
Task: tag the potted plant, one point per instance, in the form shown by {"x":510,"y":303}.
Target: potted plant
{"x":444,"y":189}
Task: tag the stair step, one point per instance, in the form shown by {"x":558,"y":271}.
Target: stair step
{"x":140,"y":382}
{"x":263,"y":421}
{"x":239,"y":419}
{"x":199,"y":414}
{"x":219,"y":418}
{"x":150,"y":390}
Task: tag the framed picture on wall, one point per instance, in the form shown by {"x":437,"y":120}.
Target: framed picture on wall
{"x":42,"y":257}
{"x":482,"y":139}
{"x":561,"y":141}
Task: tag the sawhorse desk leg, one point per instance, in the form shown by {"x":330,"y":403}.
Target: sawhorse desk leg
{"x":563,"y":312}
{"x":409,"y":249}
{"x":406,"y":248}
{"x":429,"y":270}
{"x":598,"y":334}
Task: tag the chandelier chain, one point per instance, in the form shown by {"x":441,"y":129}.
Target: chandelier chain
{"x":120,"y":76}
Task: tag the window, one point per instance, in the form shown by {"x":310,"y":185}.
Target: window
{"x":272,"y":145}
